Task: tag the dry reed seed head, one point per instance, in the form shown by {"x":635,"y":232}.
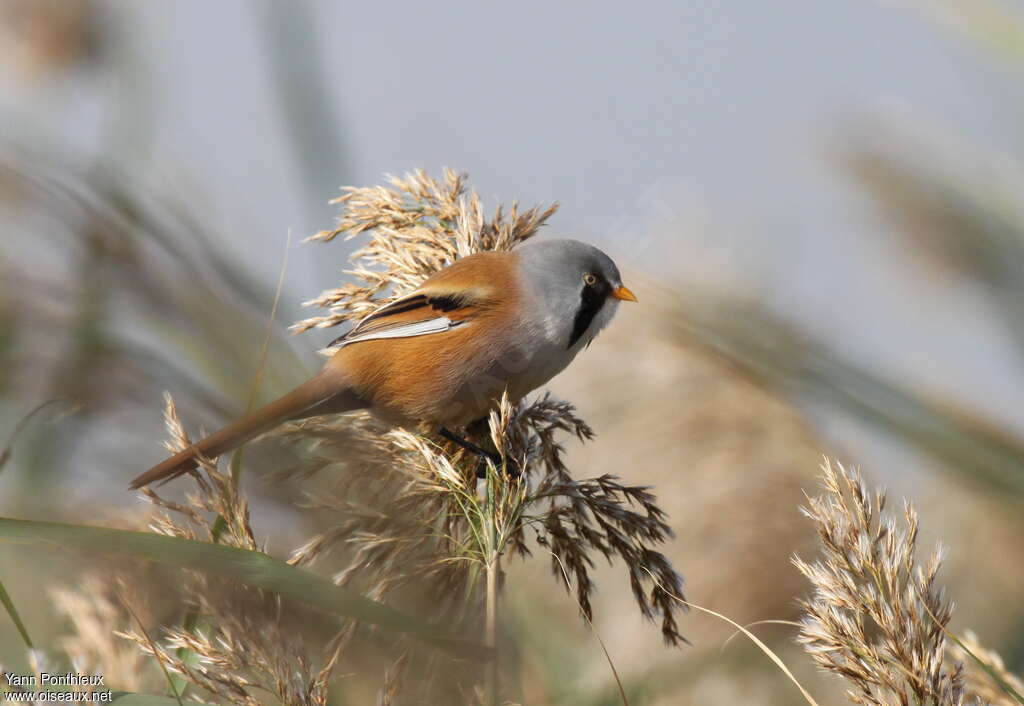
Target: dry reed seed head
{"x":410,"y":522}
{"x":601,"y":515}
{"x":433,"y":528}
{"x":96,"y":612}
{"x":426,"y":526}
{"x":241,"y":650}
{"x":215,"y":511}
{"x":395,"y":520}
{"x":393,"y":678}
{"x":980,"y":684}
{"x":876,"y":618}
{"x":243,"y":647}
{"x":416,"y":226}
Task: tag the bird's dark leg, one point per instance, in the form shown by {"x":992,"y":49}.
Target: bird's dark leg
{"x":481,"y":429}
{"x":493,"y":457}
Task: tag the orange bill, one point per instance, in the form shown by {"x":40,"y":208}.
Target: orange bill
{"x":624,"y":294}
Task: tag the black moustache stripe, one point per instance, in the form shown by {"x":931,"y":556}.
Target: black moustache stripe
{"x":591,"y":301}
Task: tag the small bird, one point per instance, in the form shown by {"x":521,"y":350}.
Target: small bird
{"x":442,"y":355}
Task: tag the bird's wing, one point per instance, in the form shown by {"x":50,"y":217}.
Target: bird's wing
{"x":452,"y":297}
{"x":423,"y":312}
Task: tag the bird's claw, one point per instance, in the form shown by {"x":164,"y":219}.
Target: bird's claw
{"x":511,"y":467}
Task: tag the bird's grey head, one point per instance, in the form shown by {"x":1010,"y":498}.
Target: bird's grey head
{"x":576,"y":286}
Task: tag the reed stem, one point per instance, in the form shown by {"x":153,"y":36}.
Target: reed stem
{"x":491,"y":629}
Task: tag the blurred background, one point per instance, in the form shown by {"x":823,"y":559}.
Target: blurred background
{"x":819,"y":203}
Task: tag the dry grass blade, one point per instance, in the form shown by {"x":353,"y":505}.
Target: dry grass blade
{"x":790,"y":623}
{"x":593,"y":628}
{"x":998,"y":686}
{"x":988,"y":661}
{"x":152,"y":646}
{"x":753,"y":638}
{"x":239,"y":454}
{"x":12,"y":611}
{"x":5,"y":453}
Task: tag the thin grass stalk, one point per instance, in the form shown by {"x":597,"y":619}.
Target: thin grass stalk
{"x":751,"y":636}
{"x":996,"y":677}
{"x":491,"y":630}
{"x":236,"y":458}
{"x":593,"y":628}
{"x":493,"y":569}
{"x":5,"y":598}
{"x":8,"y":449}
{"x":176,"y":688}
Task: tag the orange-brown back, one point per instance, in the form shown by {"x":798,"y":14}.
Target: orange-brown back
{"x":448,"y":378}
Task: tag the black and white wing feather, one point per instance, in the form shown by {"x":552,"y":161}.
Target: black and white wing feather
{"x":416,"y":314}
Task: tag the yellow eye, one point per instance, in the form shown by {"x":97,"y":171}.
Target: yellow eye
{"x":589,"y":280}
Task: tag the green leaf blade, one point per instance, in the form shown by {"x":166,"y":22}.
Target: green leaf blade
{"x":252,"y":568}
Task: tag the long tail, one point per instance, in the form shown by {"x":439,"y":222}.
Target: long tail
{"x":321,"y":394}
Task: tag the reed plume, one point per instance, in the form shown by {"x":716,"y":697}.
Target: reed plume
{"x":877,"y":618}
